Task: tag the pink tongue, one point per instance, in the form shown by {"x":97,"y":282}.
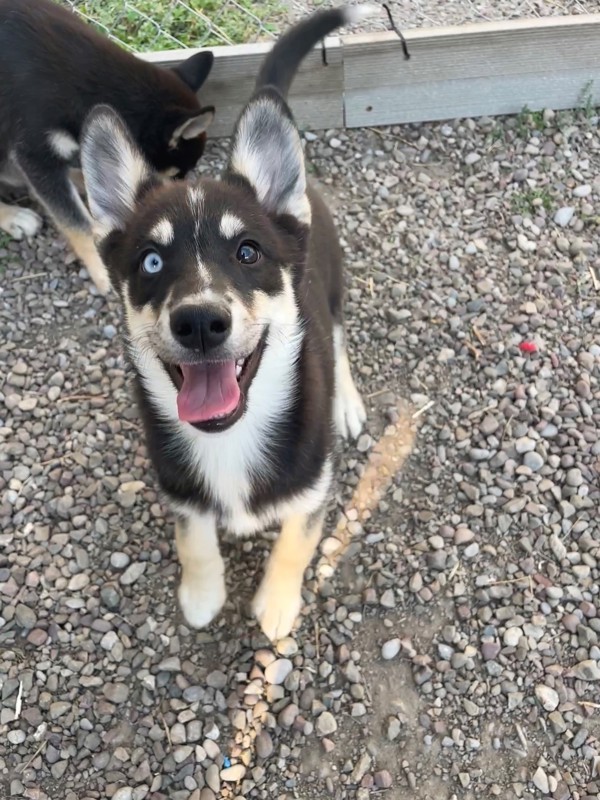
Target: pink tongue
{"x":208,"y":391}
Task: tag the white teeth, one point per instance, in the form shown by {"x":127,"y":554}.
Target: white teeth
{"x":239,"y":365}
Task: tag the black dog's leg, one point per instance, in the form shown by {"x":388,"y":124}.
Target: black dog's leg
{"x":48,"y":178}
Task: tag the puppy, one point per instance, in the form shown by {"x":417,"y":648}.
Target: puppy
{"x":232,"y":293}
{"x":53,"y":69}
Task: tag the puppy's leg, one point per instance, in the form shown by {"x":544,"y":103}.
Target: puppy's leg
{"x":48,"y":178}
{"x":202,"y":588}
{"x":279,"y":598}
{"x":19,"y":222}
{"x":84,"y":248}
{"x":348,"y":409}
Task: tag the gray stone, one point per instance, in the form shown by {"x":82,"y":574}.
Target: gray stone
{"x":326,"y":724}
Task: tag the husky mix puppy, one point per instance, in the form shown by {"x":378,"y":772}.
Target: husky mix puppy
{"x":53,"y":69}
{"x":232,"y":293}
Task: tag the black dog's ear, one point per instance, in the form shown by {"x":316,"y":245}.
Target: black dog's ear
{"x":195,"y":69}
{"x":194,"y":126}
{"x":113,"y":167}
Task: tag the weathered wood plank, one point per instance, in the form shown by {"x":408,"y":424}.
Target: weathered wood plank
{"x":470,"y":70}
{"x":485,"y":68}
{"x":316,"y":96}
{"x":473,"y":97}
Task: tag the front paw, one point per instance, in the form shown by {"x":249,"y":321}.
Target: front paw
{"x":201,"y":599}
{"x":22,"y":223}
{"x":277,"y":605}
{"x":349,"y":411}
{"x":101,"y":282}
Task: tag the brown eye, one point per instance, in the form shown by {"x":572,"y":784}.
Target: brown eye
{"x":248,"y":253}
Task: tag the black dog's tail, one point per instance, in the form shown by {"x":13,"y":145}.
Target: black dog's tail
{"x":281,"y":64}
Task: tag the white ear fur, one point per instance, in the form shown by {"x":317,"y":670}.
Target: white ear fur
{"x":267,"y":152}
{"x":193,"y":127}
{"x":113,"y":168}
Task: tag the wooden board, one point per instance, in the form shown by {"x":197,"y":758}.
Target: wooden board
{"x":472,"y":70}
{"x":316,"y":98}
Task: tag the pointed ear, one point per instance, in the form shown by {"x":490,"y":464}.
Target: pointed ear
{"x":195,"y":69}
{"x":113,"y":168}
{"x":194,"y":127}
{"x":267,"y":152}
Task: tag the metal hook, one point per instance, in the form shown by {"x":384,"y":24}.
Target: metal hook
{"x":323,"y":53}
{"x":397,"y":31}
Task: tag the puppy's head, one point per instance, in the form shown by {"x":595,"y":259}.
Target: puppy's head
{"x":207,"y":271}
{"x":176,"y":144}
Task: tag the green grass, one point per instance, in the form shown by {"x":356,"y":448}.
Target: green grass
{"x":168,"y":25}
{"x":585,"y":102}
{"x":528,"y":120}
{"x":527,"y":202}
{"x":497,"y":135}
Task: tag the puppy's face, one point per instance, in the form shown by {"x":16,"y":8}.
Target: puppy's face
{"x":206,"y":271}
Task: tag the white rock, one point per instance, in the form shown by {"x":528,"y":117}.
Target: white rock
{"x":512,"y":636}
{"x":109,"y":640}
{"x":119,"y":560}
{"x":390,"y":649}
{"x":233,"y":774}
{"x":564,"y":215}
{"x":330,"y":545}
{"x":582,"y":191}
{"x":132,"y":573}
{"x":132,"y":486}
{"x":124,"y":793}
{"x":287,"y":647}
{"x":277,"y":672}
{"x":540,"y":780}
{"x":446,"y":354}
{"x":547,"y":696}
{"x":587,"y":670}
{"x":524,"y":444}
{"x":326,"y":724}
{"x":557,"y":546}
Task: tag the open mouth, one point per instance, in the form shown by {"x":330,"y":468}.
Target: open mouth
{"x":211,"y":395}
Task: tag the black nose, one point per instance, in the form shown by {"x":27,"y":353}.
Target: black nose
{"x":201,"y":327}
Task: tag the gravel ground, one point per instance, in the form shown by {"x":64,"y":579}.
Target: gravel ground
{"x":454,"y":652}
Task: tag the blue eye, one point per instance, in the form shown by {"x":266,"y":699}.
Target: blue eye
{"x":152,"y":263}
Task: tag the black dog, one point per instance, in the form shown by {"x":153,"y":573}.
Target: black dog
{"x":53,"y":69}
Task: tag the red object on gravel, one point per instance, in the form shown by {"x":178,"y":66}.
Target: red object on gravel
{"x":528,"y":347}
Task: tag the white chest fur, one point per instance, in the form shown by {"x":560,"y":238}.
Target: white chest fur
{"x":229,"y":462}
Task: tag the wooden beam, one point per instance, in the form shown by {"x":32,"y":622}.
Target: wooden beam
{"x":317,"y":96}
{"x":471,"y":70}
